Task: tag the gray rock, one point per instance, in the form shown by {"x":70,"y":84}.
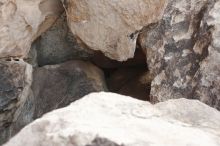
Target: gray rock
{"x":208,"y":87}
{"x":15,"y":109}
{"x":107,"y":119}
{"x":58,"y":45}
{"x":179,"y":52}
{"x":32,"y":55}
{"x":56,"y":86}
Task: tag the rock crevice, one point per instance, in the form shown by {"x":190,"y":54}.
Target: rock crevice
{"x":54,"y":52}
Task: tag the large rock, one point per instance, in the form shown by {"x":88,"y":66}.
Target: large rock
{"x":208,"y":87}
{"x":58,"y":45}
{"x":112,"y":26}
{"x":56,"y":86}
{"x":182,"y":51}
{"x":104,"y":119}
{"x":32,"y":55}
{"x":21,"y":22}
{"x":15,"y":97}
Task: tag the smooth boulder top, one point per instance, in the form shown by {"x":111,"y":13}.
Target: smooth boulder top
{"x":108,"y":118}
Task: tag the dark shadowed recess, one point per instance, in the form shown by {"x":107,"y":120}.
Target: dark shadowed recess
{"x":127,"y":77}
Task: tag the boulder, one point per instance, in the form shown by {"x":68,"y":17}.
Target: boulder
{"x":15,"y":97}
{"x":182,"y":52}
{"x":104,"y":119}
{"x":56,"y":86}
{"x":21,"y":22}
{"x":112,"y":26}
{"x":58,"y":45}
{"x":208,"y":76}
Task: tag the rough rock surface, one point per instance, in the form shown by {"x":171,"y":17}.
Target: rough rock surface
{"x":15,"y":82}
{"x":22,"y":21}
{"x":104,"y":119}
{"x":208,"y":87}
{"x":112,"y":26}
{"x":58,"y":45}
{"x":31,"y":58}
{"x":182,"y":51}
{"x":56,"y":86}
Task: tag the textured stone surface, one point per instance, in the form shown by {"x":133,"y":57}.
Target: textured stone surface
{"x":208,"y":87}
{"x":181,"y":40}
{"x":31,"y":58}
{"x":58,"y":45}
{"x":22,"y":21}
{"x":56,"y":86}
{"x":179,"y":46}
{"x":15,"y":82}
{"x":112,"y":26}
{"x":106,"y":119}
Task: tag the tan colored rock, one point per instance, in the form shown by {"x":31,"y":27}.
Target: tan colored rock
{"x":21,"y":22}
{"x":107,"y":119}
{"x":112,"y":26}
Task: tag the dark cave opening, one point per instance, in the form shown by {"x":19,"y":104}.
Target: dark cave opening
{"x":128,"y":78}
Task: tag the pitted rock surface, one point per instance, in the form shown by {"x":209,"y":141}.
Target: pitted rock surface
{"x":178,"y":48}
{"x":208,"y":87}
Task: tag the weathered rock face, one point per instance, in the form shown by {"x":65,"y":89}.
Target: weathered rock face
{"x":181,"y":40}
{"x":112,"y":26}
{"x":103,"y":119}
{"x":208,"y":87}
{"x":31,"y":58}
{"x":15,"y":96}
{"x":56,"y":86}
{"x":21,"y":22}
{"x":176,"y":48}
{"x":58,"y":45}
